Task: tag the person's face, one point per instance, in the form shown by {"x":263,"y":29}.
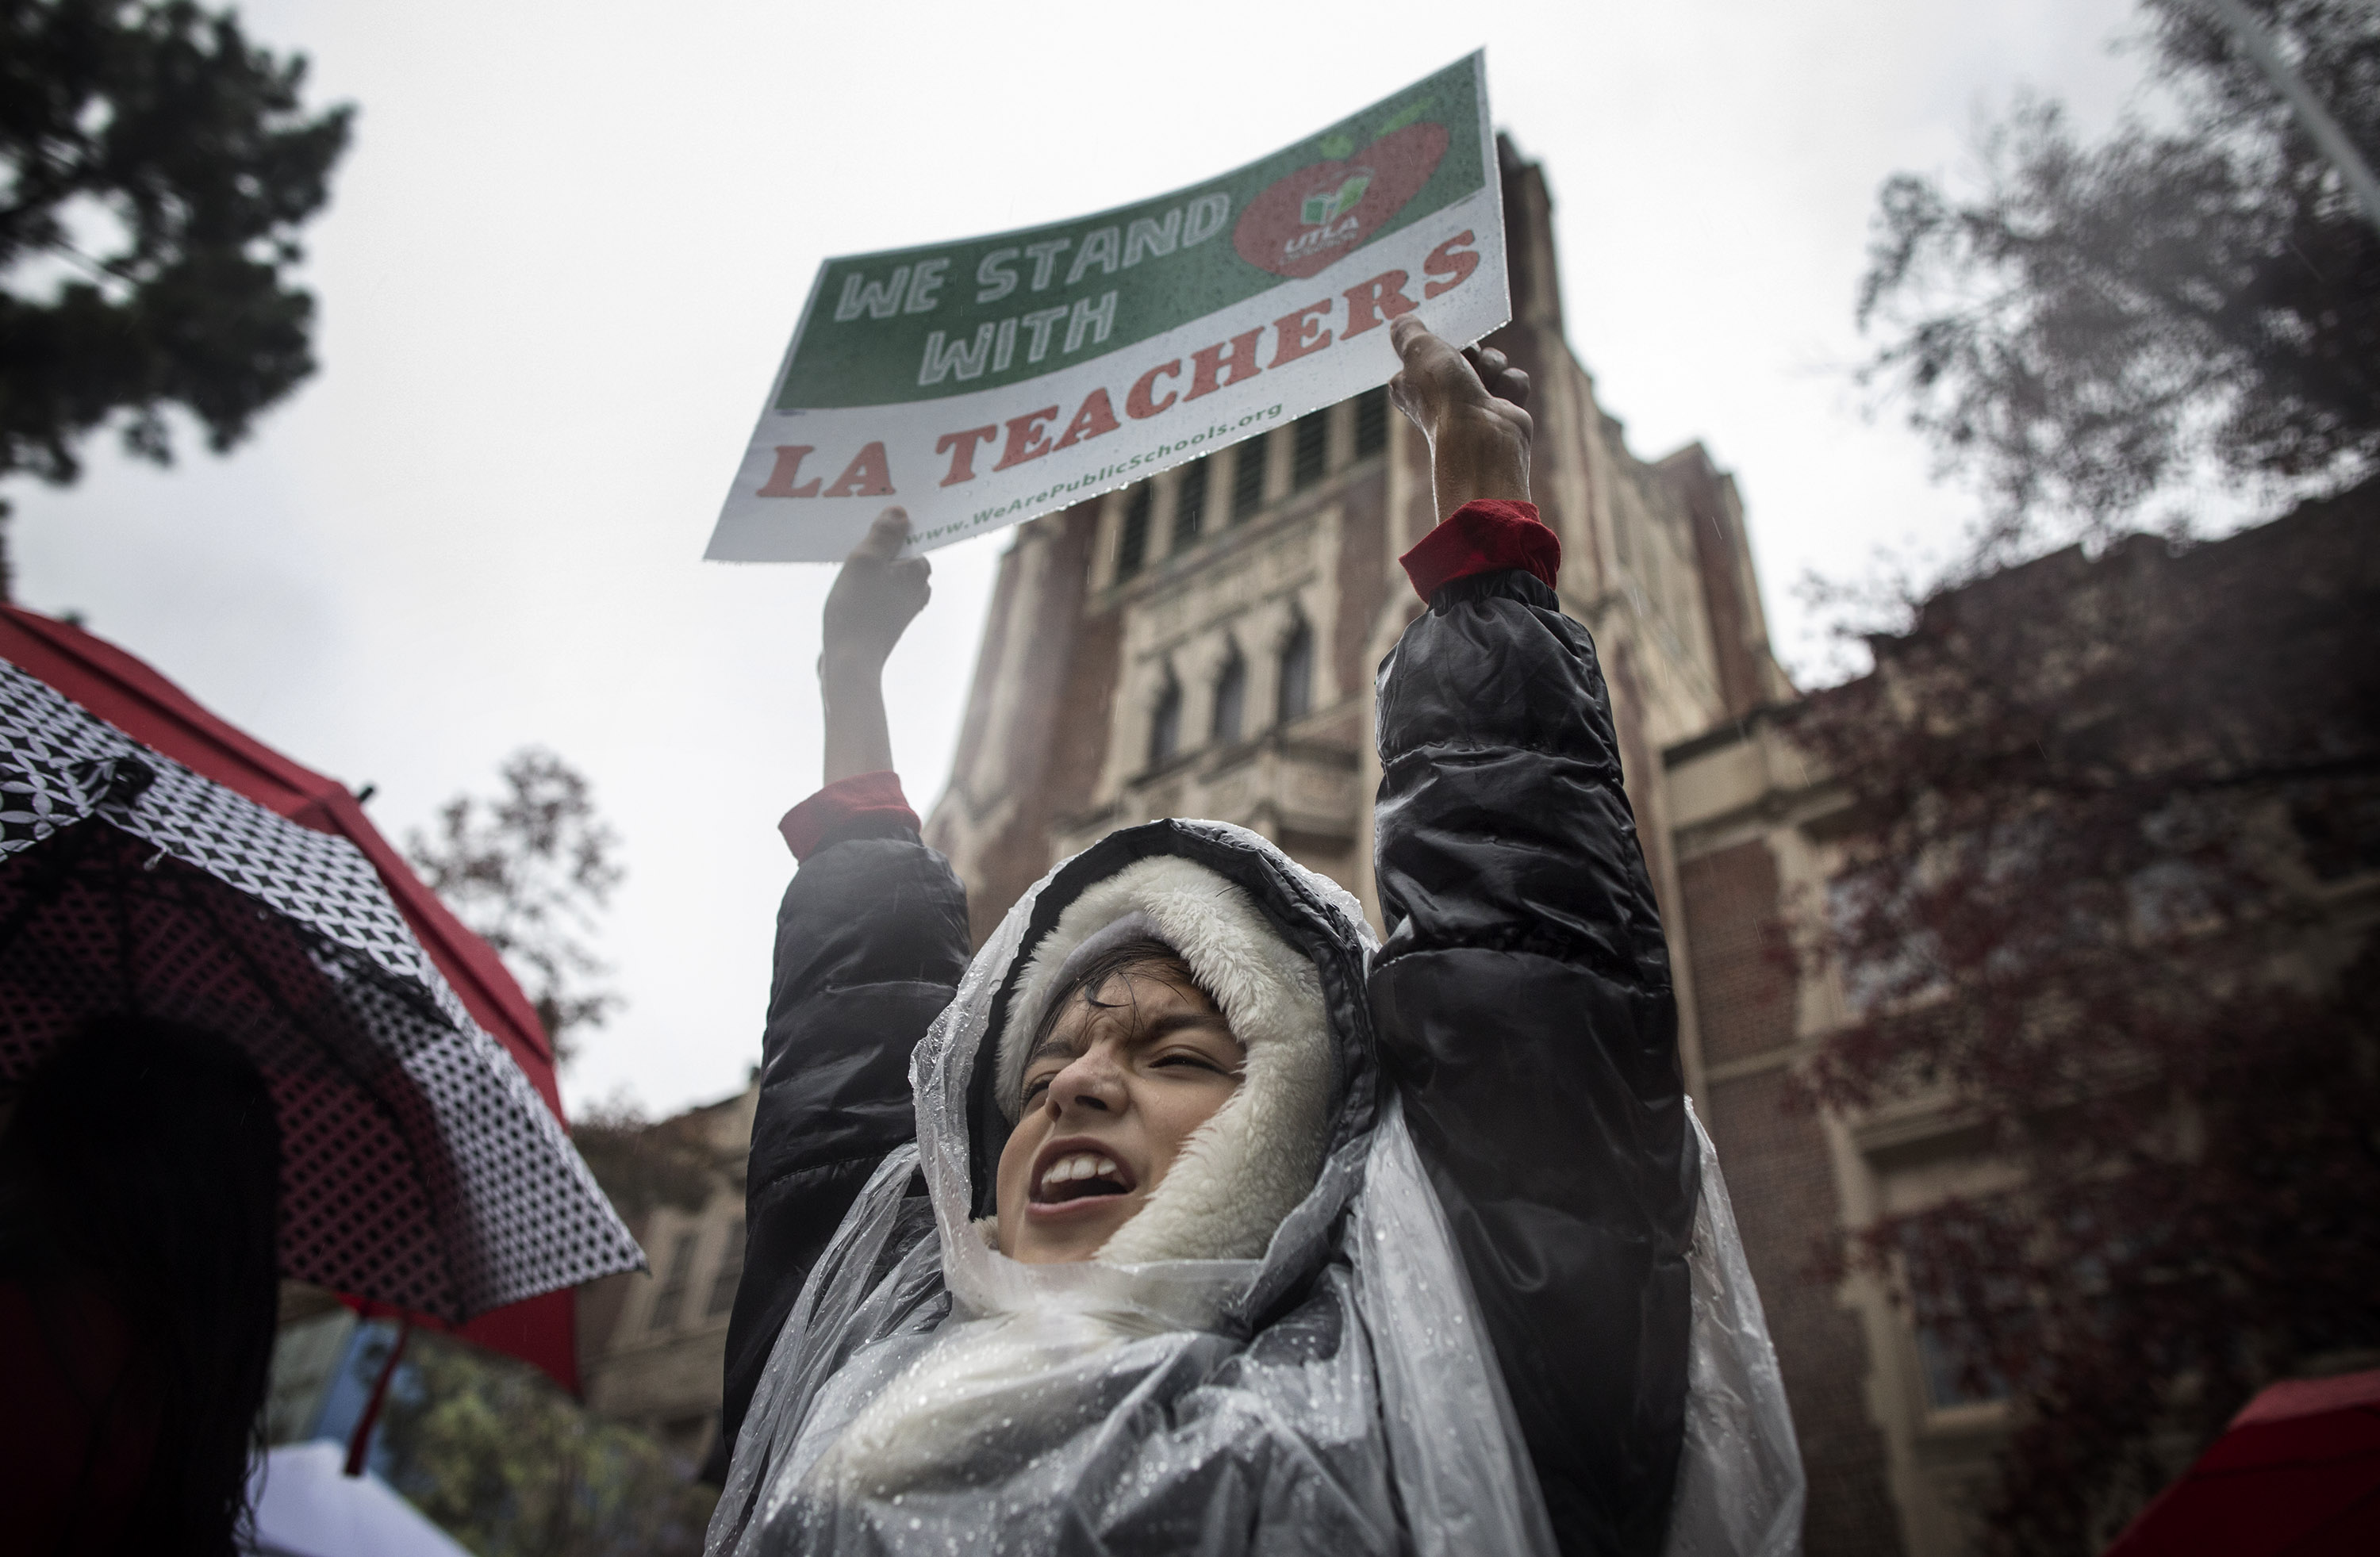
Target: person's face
{"x":1111,"y":1095}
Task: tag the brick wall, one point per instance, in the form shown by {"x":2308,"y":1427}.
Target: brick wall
{"x":1743,"y":990}
{"x":1723,"y":557}
{"x":1782,"y":1182}
{"x":1783,"y":1187}
{"x":1069,"y":676}
{"x":1364,"y":572}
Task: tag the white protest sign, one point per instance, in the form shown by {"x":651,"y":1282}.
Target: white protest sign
{"x":980,"y":382}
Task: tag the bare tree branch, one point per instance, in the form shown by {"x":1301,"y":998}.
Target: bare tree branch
{"x":531,"y":872}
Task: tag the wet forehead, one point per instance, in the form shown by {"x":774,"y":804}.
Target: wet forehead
{"x":1134,"y":1005}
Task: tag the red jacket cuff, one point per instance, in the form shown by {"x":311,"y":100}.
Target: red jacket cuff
{"x":1483,"y":537}
{"x":806,"y":827}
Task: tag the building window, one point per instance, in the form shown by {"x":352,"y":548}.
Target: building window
{"x":731,"y":1272}
{"x":1310,"y":456}
{"x":1165,"y":725}
{"x":1955,"y":1376}
{"x":1132,"y":549}
{"x":1189,"y":505}
{"x":1954,"y":1343}
{"x":1371,"y":422}
{"x":1297,"y":673}
{"x":671,"y":1296}
{"x":1248,"y":477}
{"x":1231,"y":698}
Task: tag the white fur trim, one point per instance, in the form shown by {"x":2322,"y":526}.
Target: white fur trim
{"x":1247,"y":1167}
{"x":1132,"y":926}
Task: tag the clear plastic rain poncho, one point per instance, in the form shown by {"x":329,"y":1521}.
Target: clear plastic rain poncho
{"x":929,"y":1394}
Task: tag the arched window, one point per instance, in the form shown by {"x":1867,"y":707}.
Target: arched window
{"x":1165,"y":724}
{"x":1297,"y":673}
{"x":730,"y":1273}
{"x":1248,"y":477}
{"x":1132,"y":548}
{"x":1309,"y":450}
{"x":674,"y":1277}
{"x":1231,"y":698}
{"x":1189,"y":505}
{"x":1371,"y":422}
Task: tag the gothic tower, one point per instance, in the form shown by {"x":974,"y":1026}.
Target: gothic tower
{"x":1202,"y":644}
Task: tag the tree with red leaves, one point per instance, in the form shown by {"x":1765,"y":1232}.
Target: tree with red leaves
{"x":2108,"y":900}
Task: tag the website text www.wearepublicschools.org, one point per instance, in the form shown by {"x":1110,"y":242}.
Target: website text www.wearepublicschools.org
{"x":1105,"y":473}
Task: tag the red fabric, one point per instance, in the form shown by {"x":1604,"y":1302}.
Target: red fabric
{"x":131,"y":695}
{"x":2297,"y":1473}
{"x":1481,"y":538}
{"x":863,"y":795}
{"x":2308,"y":1397}
{"x":541,"y":1331}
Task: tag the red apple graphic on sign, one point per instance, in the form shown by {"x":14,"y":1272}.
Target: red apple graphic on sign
{"x":1315,"y":215}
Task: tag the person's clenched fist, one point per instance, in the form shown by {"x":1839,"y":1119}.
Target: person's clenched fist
{"x":1468,"y":404}
{"x":876,"y":596}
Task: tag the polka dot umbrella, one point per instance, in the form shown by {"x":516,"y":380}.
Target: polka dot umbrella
{"x":421,"y":1168}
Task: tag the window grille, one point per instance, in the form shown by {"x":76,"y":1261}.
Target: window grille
{"x":1189,"y":505}
{"x":1230,"y":699}
{"x":1371,"y":422}
{"x":1165,"y":725}
{"x":1310,"y":459}
{"x":731,"y":1272}
{"x":1133,"y":548}
{"x":1297,"y":674}
{"x":671,"y":1296}
{"x":1248,"y":477}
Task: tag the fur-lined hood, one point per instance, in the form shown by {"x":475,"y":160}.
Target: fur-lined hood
{"x":1244,"y":1220}
{"x":1243,"y":1169}
{"x":1272,"y":943}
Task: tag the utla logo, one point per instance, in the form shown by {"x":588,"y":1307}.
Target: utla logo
{"x":1325,"y":205}
{"x":1311,"y":217}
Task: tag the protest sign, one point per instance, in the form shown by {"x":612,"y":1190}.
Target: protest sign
{"x":983,"y":381}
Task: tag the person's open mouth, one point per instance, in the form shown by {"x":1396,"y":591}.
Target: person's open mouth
{"x":1076,"y":1176}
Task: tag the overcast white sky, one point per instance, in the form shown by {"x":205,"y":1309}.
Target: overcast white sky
{"x":568,"y":246}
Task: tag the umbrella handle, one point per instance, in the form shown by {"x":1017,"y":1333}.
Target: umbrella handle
{"x":360,"y":1439}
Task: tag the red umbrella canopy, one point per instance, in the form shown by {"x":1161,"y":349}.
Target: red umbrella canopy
{"x":2296,"y":1475}
{"x":132,"y":696}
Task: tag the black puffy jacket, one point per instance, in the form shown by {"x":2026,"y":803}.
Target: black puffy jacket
{"x":1522,"y":1006}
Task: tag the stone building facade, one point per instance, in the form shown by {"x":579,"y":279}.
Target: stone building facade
{"x":1203,"y":645}
{"x":1895,"y":1446}
{"x":1892,"y":1447}
{"x":652,"y":1348}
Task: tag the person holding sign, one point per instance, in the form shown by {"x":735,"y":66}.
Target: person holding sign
{"x":1183,"y":1217}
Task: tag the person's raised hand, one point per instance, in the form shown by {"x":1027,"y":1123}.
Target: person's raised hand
{"x":1469,"y":405}
{"x":875,"y":598}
